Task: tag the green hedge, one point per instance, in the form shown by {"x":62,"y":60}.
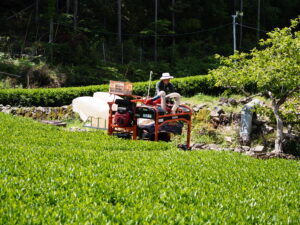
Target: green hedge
{"x":49,"y":175}
{"x":187,"y":86}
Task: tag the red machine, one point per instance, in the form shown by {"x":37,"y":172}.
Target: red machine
{"x":124,"y":121}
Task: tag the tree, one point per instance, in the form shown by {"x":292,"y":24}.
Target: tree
{"x":275,"y":70}
{"x":68,"y":6}
{"x":51,"y":12}
{"x":155,"y":36}
{"x":119,"y":21}
{"x":75,"y":14}
{"x":173,"y":23}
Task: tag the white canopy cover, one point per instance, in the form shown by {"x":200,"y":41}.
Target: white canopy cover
{"x":95,"y":107}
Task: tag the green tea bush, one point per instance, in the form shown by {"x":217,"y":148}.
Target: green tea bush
{"x":52,"y":176}
{"x":63,"y":96}
{"x":46,"y":96}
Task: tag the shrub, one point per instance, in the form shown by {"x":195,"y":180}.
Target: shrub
{"x":63,"y":96}
{"x":52,"y":176}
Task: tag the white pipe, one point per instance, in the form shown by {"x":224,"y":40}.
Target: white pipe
{"x":150,"y":78}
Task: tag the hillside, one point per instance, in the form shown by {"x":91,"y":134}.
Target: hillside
{"x":83,"y":42}
{"x":49,"y":175}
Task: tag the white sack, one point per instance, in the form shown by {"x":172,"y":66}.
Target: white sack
{"x":95,"y":107}
{"x":107,"y":97}
{"x":90,"y":107}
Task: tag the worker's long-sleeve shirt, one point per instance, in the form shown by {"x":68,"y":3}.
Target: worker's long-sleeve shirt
{"x":160,"y":86}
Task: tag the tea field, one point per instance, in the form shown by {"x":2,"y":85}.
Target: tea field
{"x":52,"y":176}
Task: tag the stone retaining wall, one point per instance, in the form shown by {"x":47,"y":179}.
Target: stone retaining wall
{"x":40,"y":113}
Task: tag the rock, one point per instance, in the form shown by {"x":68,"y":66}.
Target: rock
{"x":223,"y":100}
{"x":228,"y":139}
{"x":236,"y":117}
{"x":258,"y":149}
{"x":47,"y":111}
{"x":271,"y":155}
{"x":198,"y":146}
{"x":198,"y":107}
{"x":244,"y":100}
{"x":219,"y":110}
{"x":232,"y":101}
{"x":41,"y":109}
{"x":13,"y":110}
{"x":214,"y":114}
{"x":201,"y":106}
{"x":216,"y":119}
{"x":223,"y":104}
{"x":260,"y":155}
{"x":224,"y":119}
{"x":242,"y":149}
{"x":245,"y":148}
{"x":76,"y":129}
{"x":257,"y":122}
{"x":55,"y":123}
{"x":250,"y":153}
{"x":6,"y":110}
{"x":238,"y":149}
{"x":212,"y":147}
{"x":195,"y":109}
{"x":268,"y":129}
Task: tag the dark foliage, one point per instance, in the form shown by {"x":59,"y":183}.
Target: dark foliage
{"x":89,"y":53}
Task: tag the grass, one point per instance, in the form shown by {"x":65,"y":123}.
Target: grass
{"x":200,"y":98}
{"x":212,"y":101}
{"x":203,"y":131}
{"x":51,"y":176}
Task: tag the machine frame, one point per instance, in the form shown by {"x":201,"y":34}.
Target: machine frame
{"x":159,"y":120}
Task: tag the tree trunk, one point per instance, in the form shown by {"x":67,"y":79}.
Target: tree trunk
{"x":51,"y":30}
{"x":51,"y":12}
{"x":103,"y":51}
{"x":37,"y":18}
{"x":155,"y":36}
{"x":28,"y":80}
{"x":140,"y":55}
{"x":279,"y":131}
{"x":68,"y":6}
{"x":27,"y":28}
{"x":122,"y":52}
{"x":173,"y":27}
{"x":119,"y":21}
{"x":258,"y":19}
{"x":75,"y":14}
{"x":37,"y":11}
{"x":241,"y":26}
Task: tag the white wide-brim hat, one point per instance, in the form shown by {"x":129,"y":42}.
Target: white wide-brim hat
{"x":166,"y":76}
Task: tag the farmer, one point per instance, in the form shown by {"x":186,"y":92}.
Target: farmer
{"x":165,"y":89}
{"x":164,"y":84}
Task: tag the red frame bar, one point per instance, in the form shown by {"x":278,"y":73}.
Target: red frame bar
{"x":189,"y":122}
{"x":114,"y":128}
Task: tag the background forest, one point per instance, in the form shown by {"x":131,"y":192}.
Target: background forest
{"x":50,"y":43}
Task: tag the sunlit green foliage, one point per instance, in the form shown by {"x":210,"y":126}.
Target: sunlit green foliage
{"x":62,"y":96}
{"x":52,"y":176}
{"x":274,"y":70}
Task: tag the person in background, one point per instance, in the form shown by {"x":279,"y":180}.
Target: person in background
{"x":165,"y":89}
{"x":164,"y":84}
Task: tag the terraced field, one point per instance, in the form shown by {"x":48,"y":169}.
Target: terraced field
{"x":52,"y":176}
